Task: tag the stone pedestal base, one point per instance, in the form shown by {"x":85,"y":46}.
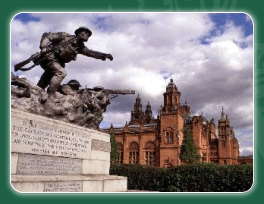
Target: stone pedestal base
{"x":53,"y":156}
{"x":69,"y":183}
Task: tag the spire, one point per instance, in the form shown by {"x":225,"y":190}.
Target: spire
{"x":137,"y":114}
{"x":223,"y":118}
{"x":148,"y":113}
{"x":138,"y":101}
{"x":148,"y":107}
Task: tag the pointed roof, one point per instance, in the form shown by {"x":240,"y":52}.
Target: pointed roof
{"x":223,"y":118}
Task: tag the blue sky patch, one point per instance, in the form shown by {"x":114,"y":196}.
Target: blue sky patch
{"x":26,"y":17}
{"x":220,"y":20}
{"x":102,"y":23}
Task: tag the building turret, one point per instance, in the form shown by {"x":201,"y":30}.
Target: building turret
{"x":137,"y":115}
{"x":187,"y":107}
{"x":224,"y":140}
{"x":148,"y":114}
{"x":171,"y":98}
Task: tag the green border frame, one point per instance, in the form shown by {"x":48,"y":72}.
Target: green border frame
{"x":253,"y":8}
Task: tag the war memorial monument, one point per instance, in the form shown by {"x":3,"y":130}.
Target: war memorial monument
{"x":55,"y":145}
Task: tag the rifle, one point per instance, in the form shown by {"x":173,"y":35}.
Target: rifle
{"x":119,"y":91}
{"x":115,"y":92}
{"x":112,"y":91}
{"x":38,"y":57}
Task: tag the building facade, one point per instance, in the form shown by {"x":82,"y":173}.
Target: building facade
{"x":157,"y":141}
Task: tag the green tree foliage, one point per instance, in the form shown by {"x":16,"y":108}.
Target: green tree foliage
{"x":114,"y":149}
{"x":189,"y":153}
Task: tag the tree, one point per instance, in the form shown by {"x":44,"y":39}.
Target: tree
{"x":114,"y":149}
{"x":189,"y":153}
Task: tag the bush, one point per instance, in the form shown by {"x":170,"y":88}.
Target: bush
{"x":187,"y":178}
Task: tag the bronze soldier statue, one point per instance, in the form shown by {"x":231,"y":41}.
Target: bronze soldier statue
{"x":57,"y":49}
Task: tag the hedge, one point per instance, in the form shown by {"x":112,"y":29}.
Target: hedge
{"x":200,"y":177}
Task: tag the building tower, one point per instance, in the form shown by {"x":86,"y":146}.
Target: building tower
{"x":224,"y":140}
{"x":148,"y":114}
{"x":171,"y":127}
{"x":171,"y":98}
{"x":137,"y":116}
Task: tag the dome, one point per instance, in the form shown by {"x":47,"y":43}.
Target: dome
{"x":171,"y":84}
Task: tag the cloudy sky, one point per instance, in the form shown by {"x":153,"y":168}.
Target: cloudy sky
{"x":208,"y":55}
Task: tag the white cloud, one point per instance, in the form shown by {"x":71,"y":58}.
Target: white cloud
{"x":147,"y":48}
{"x":246,"y":151}
{"x":120,"y":119}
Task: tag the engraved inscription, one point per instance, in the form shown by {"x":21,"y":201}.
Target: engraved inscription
{"x":37,"y":137}
{"x":63,"y":186}
{"x":47,"y":165}
{"x":101,"y":145}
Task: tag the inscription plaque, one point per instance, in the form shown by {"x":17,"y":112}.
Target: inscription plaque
{"x":46,"y":165}
{"x":101,"y":145}
{"x":43,"y":136}
{"x":63,"y":186}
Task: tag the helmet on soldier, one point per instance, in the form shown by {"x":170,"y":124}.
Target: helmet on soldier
{"x":81,"y":29}
{"x":74,"y":84}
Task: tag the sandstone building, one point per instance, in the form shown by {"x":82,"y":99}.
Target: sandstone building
{"x":157,"y":141}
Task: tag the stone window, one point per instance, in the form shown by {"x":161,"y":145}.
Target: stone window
{"x":150,"y":154}
{"x":150,"y":158}
{"x":134,"y":153}
{"x":169,"y":136}
{"x":213,"y":154}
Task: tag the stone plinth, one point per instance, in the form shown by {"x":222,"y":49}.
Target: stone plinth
{"x":53,"y":156}
{"x":69,"y":183}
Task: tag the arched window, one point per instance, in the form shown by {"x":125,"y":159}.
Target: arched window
{"x":150,"y":154}
{"x":120,"y":157}
{"x":134,"y":153}
{"x":169,"y":136}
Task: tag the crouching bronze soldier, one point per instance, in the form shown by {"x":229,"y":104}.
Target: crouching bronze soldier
{"x":57,"y":49}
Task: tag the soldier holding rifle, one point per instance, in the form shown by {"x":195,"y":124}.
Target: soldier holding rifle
{"x":57,"y":49}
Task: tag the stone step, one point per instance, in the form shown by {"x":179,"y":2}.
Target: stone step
{"x":69,"y":183}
